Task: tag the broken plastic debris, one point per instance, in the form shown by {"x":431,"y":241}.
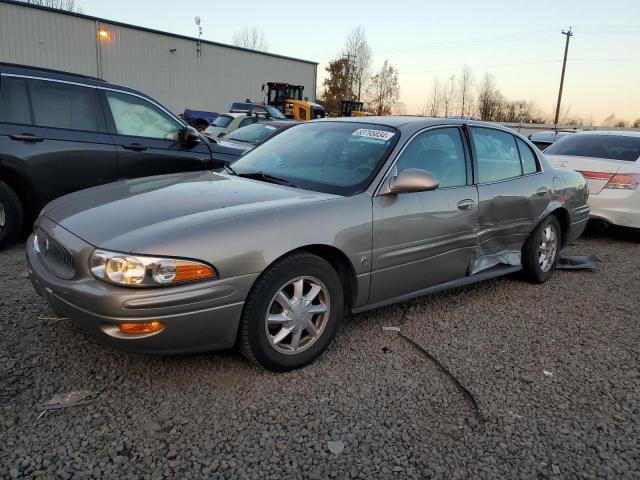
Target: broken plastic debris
{"x":65,"y":400}
{"x":335,"y":447}
{"x":547,"y":373}
{"x":391,"y":329}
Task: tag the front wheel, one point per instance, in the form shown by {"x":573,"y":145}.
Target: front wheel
{"x":292,"y":313}
{"x":541,"y":251}
{"x":10,"y":214}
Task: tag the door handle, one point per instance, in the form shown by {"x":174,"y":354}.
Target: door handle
{"x":542,"y":191}
{"x":26,"y":137}
{"x":135,"y":146}
{"x":466,"y":205}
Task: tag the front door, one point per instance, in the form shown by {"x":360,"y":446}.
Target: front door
{"x":147,"y":138}
{"x":423,"y":239}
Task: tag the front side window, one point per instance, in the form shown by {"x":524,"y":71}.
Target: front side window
{"x":614,"y":147}
{"x":222,"y":121}
{"x":439,"y":152}
{"x":247,"y":121}
{"x":139,"y":118}
{"x":14,"y":101}
{"x":496,"y":153}
{"x":59,"y":105}
{"x":331,"y":157}
{"x":529,"y":163}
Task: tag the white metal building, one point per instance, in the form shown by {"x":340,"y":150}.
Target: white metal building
{"x":179,"y":71}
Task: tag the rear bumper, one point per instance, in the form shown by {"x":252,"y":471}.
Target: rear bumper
{"x":616,"y":206}
{"x":196,"y":317}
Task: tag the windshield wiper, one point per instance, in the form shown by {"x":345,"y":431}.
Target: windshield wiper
{"x":229,"y":169}
{"x":265,"y":177}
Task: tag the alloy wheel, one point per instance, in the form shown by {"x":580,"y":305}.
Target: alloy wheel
{"x":548,"y":248}
{"x":297,"y":315}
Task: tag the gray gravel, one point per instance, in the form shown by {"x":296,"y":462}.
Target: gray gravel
{"x":215,"y":416}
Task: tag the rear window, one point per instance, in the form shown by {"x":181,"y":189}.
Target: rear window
{"x":14,"y":101}
{"x":613,"y":147}
{"x":255,"y":133}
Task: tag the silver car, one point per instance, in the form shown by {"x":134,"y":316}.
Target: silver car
{"x":329,"y":217}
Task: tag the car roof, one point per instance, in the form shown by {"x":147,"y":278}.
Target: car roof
{"x":415,"y":121}
{"x":278,"y":123}
{"x":48,"y":73}
{"x":622,"y":133}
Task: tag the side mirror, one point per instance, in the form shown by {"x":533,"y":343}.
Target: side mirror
{"x":189,"y":135}
{"x":412,"y":180}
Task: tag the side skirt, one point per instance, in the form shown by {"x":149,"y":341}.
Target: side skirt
{"x":497,"y":271}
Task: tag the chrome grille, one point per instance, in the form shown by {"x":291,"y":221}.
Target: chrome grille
{"x":55,"y":257}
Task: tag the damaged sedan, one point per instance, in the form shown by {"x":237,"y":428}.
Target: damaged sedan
{"x":329,"y":217}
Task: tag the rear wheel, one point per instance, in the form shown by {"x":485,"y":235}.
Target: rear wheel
{"x":541,"y":251}
{"x":292,"y":313}
{"x":10,"y":214}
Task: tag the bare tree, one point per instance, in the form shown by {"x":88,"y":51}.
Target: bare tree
{"x":358,"y":52}
{"x":384,"y":90}
{"x":251,"y":38}
{"x":610,"y":121}
{"x":448,"y":90}
{"x":488,"y":97}
{"x":465,"y":85}
{"x":435,"y":99}
{"x":68,"y":5}
{"x":636,"y":123}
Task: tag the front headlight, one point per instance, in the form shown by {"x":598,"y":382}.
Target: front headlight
{"x":144,"y":271}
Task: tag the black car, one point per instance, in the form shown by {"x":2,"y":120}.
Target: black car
{"x":62,"y":132}
{"x":242,"y":140}
{"x":542,"y":140}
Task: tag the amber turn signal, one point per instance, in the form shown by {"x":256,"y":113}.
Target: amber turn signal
{"x":138,"y":328}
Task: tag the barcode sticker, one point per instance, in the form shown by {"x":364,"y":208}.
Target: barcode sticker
{"x":379,"y":134}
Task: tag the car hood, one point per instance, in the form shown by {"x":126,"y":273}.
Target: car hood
{"x":120,"y":215}
{"x":236,"y":147}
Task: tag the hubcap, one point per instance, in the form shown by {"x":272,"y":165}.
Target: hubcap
{"x":297,"y":315}
{"x":548,"y":248}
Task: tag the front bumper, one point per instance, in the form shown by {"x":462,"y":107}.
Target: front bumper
{"x":197,"y":317}
{"x":616,"y":206}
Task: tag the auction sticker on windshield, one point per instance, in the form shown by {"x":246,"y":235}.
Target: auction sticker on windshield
{"x":370,"y":133}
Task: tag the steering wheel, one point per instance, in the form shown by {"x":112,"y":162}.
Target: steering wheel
{"x":365,"y":169}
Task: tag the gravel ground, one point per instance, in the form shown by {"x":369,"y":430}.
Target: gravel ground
{"x":215,"y":416}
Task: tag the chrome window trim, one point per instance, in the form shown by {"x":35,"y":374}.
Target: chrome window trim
{"x":392,"y":166}
{"x":98,"y":87}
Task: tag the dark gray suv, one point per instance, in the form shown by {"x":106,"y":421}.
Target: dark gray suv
{"x":62,"y":132}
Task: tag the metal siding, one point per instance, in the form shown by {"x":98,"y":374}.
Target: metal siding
{"x":143,"y":60}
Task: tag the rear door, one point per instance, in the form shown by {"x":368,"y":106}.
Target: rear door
{"x":422,"y":239}
{"x":58,"y":138}
{"x":513,"y":193}
{"x":147,"y":138}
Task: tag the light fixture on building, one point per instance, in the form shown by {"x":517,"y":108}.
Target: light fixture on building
{"x":104,"y":34}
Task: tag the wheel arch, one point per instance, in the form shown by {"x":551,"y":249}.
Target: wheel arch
{"x":562,"y":214}
{"x":22,"y":188}
{"x":339,"y":261}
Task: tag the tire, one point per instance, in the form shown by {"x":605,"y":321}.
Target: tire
{"x":275,"y":294}
{"x":537,"y":269}
{"x":11,"y":214}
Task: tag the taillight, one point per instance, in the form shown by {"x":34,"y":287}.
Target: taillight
{"x":624,"y":180}
{"x":628,"y":181}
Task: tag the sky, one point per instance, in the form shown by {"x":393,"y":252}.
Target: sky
{"x":520,"y":43}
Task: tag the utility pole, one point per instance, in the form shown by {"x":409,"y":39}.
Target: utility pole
{"x":568,"y":34}
{"x":347,"y":62}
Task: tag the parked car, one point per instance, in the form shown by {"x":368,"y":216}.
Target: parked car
{"x":228,"y":122}
{"x":610,"y":161}
{"x":61,"y":132}
{"x":543,"y":139}
{"x":327,"y":217}
{"x":253,"y":107}
{"x":198,"y":119}
{"x":247,"y":138}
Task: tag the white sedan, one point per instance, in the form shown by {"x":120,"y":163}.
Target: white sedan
{"x":610,"y":161}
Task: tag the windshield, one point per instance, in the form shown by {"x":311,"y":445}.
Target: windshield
{"x":222,"y":121}
{"x":331,"y":157}
{"x":614,"y":147}
{"x":255,"y":133}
